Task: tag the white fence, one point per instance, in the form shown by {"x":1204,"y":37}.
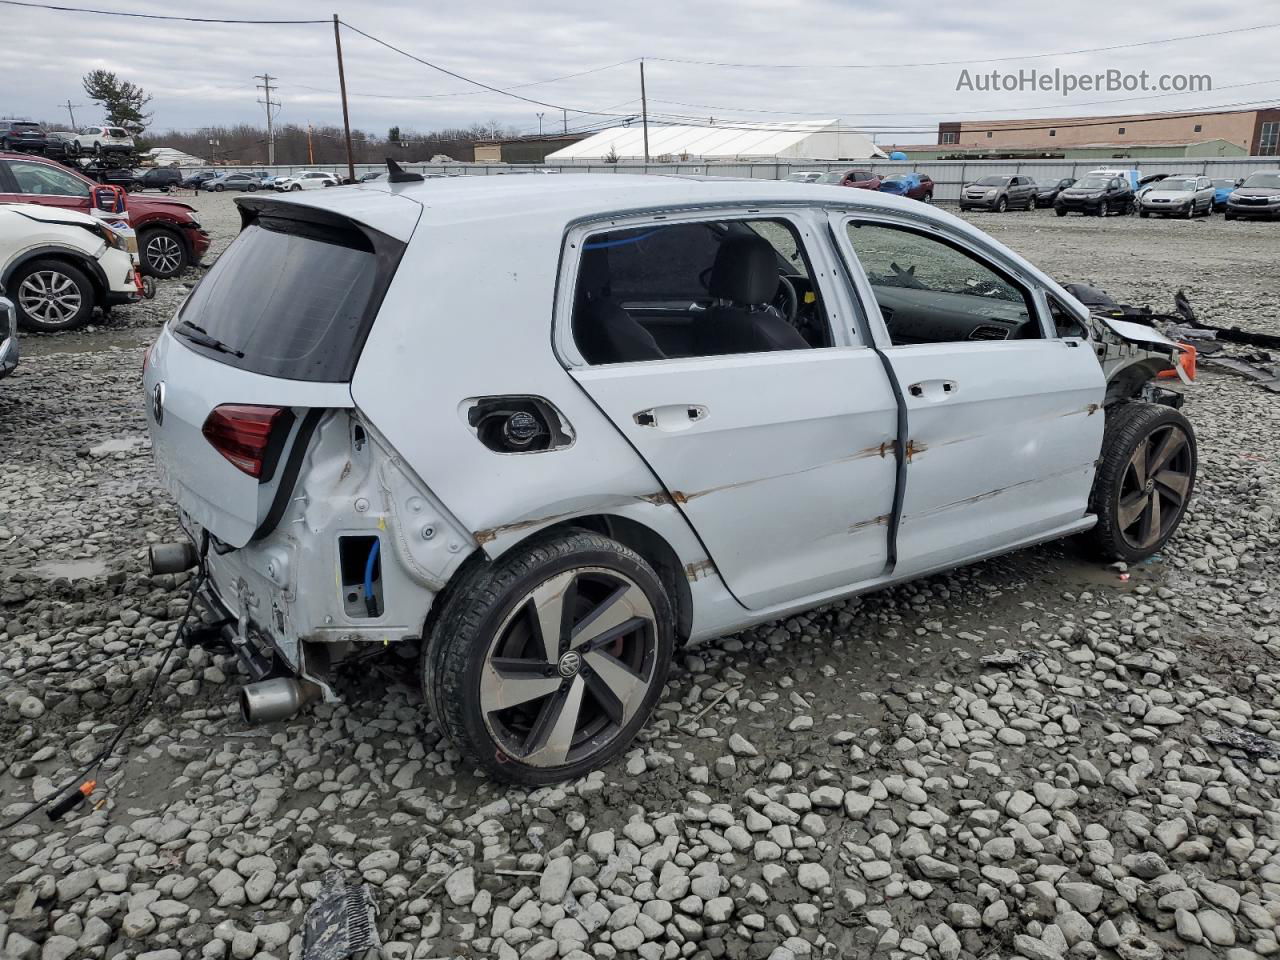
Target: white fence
{"x":948,"y":175}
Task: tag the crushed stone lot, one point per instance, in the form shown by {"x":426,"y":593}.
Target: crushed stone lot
{"x":1038,"y":756}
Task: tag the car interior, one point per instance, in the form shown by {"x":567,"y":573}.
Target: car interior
{"x":930,"y":291}
{"x":664,"y":291}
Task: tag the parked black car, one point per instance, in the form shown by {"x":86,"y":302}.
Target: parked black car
{"x":161,"y":178}
{"x":1095,"y":195}
{"x":1047,"y":190}
{"x":22,"y":135}
{"x":197,"y":179}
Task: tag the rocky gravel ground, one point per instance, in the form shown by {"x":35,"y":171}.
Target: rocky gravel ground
{"x":1035,"y":757}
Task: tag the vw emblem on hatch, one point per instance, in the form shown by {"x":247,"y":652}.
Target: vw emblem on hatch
{"x":569,"y":664}
{"x":157,"y":403}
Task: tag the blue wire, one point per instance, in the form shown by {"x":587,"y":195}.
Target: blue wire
{"x":370,"y":603}
{"x":625,"y":241}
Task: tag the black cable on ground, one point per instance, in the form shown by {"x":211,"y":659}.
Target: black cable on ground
{"x":60,"y":798}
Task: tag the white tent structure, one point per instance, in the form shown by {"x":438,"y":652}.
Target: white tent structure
{"x":807,"y":140}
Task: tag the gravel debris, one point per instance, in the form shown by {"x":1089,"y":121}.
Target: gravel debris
{"x":1030,"y":757}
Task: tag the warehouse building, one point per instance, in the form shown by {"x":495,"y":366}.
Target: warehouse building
{"x":1253,"y":132}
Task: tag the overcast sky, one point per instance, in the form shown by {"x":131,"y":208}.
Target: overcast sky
{"x":202,"y":74}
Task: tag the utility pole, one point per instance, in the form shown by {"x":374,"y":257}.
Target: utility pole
{"x":644,"y":112}
{"x":71,"y":112}
{"x":342,"y":86}
{"x":311,"y":154}
{"x":566,"y":121}
{"x":540,"y":116}
{"x":265,"y":87}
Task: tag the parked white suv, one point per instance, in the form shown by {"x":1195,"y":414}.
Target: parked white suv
{"x":558,"y":427}
{"x":100,"y":140}
{"x":58,"y":264}
{"x":306,"y":180}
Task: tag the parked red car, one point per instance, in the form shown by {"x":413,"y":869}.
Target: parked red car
{"x":170,"y":238}
{"x":862,"y":179}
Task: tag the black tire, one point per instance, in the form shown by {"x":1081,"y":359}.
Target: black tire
{"x":1121,"y":534}
{"x":296,"y":186}
{"x":1002,"y":205}
{"x":480,"y":615}
{"x":1144,"y":214}
{"x":253,"y":188}
{"x":76,"y":295}
{"x":218,"y":188}
{"x":1228,"y":215}
{"x":134,"y":187}
{"x":1060,"y":211}
{"x":162,"y":252}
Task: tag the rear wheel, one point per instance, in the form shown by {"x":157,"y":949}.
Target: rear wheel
{"x":1144,"y":482}
{"x":52,"y":295}
{"x":546,"y":662}
{"x":1060,"y":211}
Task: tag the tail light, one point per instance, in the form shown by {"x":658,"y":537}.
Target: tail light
{"x":243,"y":433}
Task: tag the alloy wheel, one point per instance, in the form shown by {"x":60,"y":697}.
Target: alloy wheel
{"x":164,"y":253}
{"x":49,"y":297}
{"x":1156,"y":483}
{"x":569,"y":667}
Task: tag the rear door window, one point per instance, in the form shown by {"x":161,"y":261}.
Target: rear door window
{"x":290,"y":298}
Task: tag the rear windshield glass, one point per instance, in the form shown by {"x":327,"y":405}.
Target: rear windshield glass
{"x":287,"y":299}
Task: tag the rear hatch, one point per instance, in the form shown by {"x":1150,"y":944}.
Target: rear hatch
{"x":266,"y":342}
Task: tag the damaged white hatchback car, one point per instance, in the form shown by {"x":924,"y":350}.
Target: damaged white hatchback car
{"x":554,"y":427}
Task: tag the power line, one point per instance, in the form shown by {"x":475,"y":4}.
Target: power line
{"x":955,"y":113}
{"x":955,"y":63}
{"x":471,"y":93}
{"x":466,"y":79}
{"x":145,"y":16}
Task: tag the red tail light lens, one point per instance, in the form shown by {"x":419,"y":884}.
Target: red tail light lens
{"x":242,"y":433}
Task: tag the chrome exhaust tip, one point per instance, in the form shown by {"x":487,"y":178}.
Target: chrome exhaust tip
{"x":172,"y":557}
{"x":276,"y":699}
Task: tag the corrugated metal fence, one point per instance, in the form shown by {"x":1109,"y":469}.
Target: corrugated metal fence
{"x":948,"y":175}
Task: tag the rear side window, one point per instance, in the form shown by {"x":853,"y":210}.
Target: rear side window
{"x":291,"y":299}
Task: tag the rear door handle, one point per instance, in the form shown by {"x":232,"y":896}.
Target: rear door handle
{"x":672,"y":417}
{"x":933,"y":390}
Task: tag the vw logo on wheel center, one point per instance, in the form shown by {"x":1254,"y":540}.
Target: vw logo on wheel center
{"x":569,"y":664}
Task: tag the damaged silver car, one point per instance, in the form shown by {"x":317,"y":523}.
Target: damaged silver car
{"x":553,"y":428}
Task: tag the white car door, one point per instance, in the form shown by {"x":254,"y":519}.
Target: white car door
{"x":1004,"y":418}
{"x":777,"y":445}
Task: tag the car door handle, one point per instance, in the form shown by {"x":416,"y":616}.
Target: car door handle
{"x":934,"y":390}
{"x":672,"y":417}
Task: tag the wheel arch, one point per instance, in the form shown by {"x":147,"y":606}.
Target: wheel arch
{"x":642,"y":538}
{"x":69,"y":255}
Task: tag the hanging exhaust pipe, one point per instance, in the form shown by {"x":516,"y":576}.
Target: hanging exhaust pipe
{"x":276,"y":699}
{"x":172,"y":557}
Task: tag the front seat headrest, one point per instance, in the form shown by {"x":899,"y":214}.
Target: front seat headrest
{"x":745,"y":270}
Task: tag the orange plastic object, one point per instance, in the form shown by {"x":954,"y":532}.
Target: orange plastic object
{"x":1186,"y":360}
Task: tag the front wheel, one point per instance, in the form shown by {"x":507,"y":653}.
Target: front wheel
{"x":1060,"y":211}
{"x":1002,"y":205}
{"x":545,"y":663}
{"x":1144,"y":481}
{"x":162,"y":253}
{"x":52,"y":295}
{"x":218,"y":188}
{"x":296,"y":186}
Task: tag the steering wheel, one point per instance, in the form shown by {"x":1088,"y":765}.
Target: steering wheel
{"x":786,"y":300}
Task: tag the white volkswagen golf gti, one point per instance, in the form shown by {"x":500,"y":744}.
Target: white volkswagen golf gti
{"x":552,"y":428}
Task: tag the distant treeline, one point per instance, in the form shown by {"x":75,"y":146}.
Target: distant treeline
{"x":247,"y":144}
